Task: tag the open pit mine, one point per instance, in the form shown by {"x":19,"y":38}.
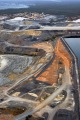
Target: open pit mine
{"x":38,"y":82}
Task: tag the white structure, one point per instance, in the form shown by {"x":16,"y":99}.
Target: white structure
{"x":77,"y":21}
{"x":3,"y":18}
{"x":17,"y":19}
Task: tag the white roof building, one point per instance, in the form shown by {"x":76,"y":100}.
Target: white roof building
{"x":78,"y":20}
{"x":17,"y":19}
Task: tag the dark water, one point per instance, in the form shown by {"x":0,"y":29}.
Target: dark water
{"x":8,"y":4}
{"x":74,"y":43}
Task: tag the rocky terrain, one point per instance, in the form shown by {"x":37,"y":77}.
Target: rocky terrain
{"x":36,"y":70}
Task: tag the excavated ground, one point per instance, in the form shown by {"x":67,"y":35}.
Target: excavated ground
{"x":53,"y":72}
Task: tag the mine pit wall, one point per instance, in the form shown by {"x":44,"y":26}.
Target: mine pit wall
{"x":63,"y":50}
{"x":30,"y":51}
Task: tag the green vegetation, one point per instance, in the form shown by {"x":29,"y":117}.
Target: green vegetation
{"x":70,"y":9}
